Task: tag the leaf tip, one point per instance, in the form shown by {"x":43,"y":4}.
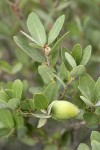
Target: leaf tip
{"x":15,"y":38}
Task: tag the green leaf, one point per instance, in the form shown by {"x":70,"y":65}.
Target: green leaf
{"x":91,"y":120}
{"x":3,"y":96}
{"x":56,"y":29}
{"x":27,"y":140}
{"x":17,"y":89}
{"x":19,"y":120}
{"x":97,"y":111}
{"x":19,"y":124}
{"x":60,"y":80}
{"x":86,"y":86}
{"x":9,"y":85}
{"x":70,"y":60}
{"x":35,"y":54}
{"x":58,"y":42}
{"x":77,"y":53}
{"x":40,"y":101}
{"x":36,"y":29}
{"x":41,"y":122}
{"x":78,"y":71}
{"x":95,"y":145}
{"x":63,"y":5}
{"x":3,"y":104}
{"x":35,"y":45}
{"x":9,"y":93}
{"x":5,"y":132}
{"x":67,"y":65}
{"x":27,"y":36}
{"x":97,"y":90}
{"x":87,"y":102}
{"x":36,"y":89}
{"x":6,"y":122}
{"x":95,"y":136}
{"x":53,"y":58}
{"x":83,"y":146}
{"x":13,"y":103}
{"x":46,"y":74}
{"x":63,"y":72}
{"x":31,"y":104}
{"x":16,"y":68}
{"x":51,"y":92}
{"x":49,"y":147}
{"x":21,"y":132}
{"x":24,"y":105}
{"x":25,"y":85}
{"x":79,"y":24}
{"x":86,"y":55}
{"x":5,"y":66}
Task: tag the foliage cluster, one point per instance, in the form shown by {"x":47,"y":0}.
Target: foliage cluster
{"x":49,"y":72}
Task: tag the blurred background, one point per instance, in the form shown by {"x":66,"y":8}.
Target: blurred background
{"x":83,"y":22}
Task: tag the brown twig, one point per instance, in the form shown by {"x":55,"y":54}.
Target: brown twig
{"x":77,"y":125}
{"x":14,"y":6}
{"x":74,"y":125}
{"x":47,"y":60}
{"x":65,"y":89}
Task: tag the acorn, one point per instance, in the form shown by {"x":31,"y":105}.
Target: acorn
{"x":64,"y":110}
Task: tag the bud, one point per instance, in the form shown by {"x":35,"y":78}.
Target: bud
{"x":47,"y":50}
{"x":63,"y":110}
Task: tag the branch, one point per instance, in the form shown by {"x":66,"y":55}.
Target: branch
{"x":66,"y":88}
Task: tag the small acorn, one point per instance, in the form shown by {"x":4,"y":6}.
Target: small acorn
{"x":63,"y":110}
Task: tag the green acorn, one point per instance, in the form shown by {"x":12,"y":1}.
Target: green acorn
{"x":63,"y":110}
